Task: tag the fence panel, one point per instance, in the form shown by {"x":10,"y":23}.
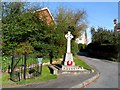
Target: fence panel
{"x":23,"y":67}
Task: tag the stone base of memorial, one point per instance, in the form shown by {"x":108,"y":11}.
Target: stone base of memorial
{"x":69,"y":59}
{"x":74,"y":70}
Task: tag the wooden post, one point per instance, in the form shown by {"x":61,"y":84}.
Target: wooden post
{"x":40,"y":64}
{"x":12,"y":64}
{"x":25,"y":66}
{"x":40,"y":69}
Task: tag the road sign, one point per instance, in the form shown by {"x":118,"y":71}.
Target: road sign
{"x":40,"y":60}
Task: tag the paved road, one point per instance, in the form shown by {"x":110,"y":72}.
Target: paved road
{"x":63,"y":81}
{"x":108,"y":73}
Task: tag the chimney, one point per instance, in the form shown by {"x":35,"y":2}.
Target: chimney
{"x":115,"y":22}
{"x":115,"y":25}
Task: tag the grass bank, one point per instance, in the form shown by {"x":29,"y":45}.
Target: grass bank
{"x":46,"y":75}
{"x":80,"y":62}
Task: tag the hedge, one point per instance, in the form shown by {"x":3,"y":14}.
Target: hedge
{"x":106,"y":51}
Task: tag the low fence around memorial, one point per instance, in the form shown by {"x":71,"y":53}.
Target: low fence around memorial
{"x":21,"y":66}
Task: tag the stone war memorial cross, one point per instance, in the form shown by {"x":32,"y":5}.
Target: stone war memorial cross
{"x":69,"y":64}
{"x":69,"y":57}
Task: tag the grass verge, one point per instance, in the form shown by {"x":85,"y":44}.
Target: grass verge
{"x":46,"y":75}
{"x":80,"y":62}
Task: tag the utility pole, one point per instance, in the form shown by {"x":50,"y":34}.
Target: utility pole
{"x":117,"y":32}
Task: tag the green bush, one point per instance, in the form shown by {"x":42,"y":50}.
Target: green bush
{"x":5,"y":63}
{"x":106,"y":51}
{"x":82,"y":47}
{"x":102,"y":47}
{"x":74,"y":47}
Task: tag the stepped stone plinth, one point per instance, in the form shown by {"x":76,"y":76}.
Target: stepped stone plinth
{"x":69,"y":66}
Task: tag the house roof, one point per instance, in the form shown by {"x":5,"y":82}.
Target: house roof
{"x":45,"y":12}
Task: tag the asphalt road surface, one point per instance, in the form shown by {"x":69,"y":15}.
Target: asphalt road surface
{"x":108,"y":73}
{"x":63,"y":81}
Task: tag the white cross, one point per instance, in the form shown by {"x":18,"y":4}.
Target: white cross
{"x":68,"y":36}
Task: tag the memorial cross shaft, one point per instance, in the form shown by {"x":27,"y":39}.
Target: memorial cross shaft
{"x":69,"y":36}
{"x":69,"y":57}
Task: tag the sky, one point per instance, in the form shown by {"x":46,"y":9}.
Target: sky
{"x":99,"y":14}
